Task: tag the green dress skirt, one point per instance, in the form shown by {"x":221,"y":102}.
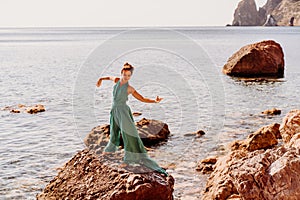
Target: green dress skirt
{"x":121,"y":121}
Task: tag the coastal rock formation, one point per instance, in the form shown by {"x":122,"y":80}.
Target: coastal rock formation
{"x":282,"y":11}
{"x":151,"y":132}
{"x":260,"y":173}
{"x":285,"y":11}
{"x":262,"y":59}
{"x":246,"y":14}
{"x":87,"y":176}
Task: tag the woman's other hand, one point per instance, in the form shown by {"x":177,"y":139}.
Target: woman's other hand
{"x":98,"y":84}
{"x":158,"y":99}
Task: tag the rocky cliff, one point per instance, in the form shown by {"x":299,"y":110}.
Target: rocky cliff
{"x":284,"y":12}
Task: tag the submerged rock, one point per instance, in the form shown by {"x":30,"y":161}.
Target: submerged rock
{"x":87,"y":176}
{"x":35,"y":109}
{"x":259,"y":173}
{"x":262,"y":59}
{"x":28,"y":109}
{"x":198,"y":133}
{"x":151,"y":132}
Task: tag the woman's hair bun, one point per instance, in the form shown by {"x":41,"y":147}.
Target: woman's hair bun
{"x":127,"y":67}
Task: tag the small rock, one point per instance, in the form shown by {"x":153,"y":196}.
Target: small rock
{"x":28,"y":109}
{"x":136,"y":114}
{"x":272,"y":111}
{"x":15,"y":111}
{"x":35,"y":109}
{"x":199,"y":133}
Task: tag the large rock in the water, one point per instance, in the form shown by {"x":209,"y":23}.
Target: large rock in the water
{"x":271,"y":174}
{"x":87,"y":176}
{"x":151,"y":132}
{"x":251,"y":18}
{"x":262,"y":59}
{"x":290,"y":125}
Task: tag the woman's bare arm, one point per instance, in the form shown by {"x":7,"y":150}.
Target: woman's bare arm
{"x":139,"y":97}
{"x":111,"y":78}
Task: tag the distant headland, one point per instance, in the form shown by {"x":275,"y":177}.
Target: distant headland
{"x":273,"y":13}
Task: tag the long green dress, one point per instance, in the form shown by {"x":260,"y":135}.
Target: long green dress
{"x":121,"y":121}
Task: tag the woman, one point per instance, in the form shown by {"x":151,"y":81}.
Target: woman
{"x":121,"y":121}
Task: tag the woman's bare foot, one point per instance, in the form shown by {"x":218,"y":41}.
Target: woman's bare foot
{"x":106,"y":153}
{"x":123,"y":165}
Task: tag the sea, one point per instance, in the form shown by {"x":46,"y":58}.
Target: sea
{"x":59,"y":68}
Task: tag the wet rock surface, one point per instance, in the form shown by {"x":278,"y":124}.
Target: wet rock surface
{"x":91,"y":176}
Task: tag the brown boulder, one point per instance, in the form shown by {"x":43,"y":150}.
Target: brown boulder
{"x":262,"y":59}
{"x":290,"y":125}
{"x":87,"y":176}
{"x":151,"y":132}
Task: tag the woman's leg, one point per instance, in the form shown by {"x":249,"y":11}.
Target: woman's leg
{"x":114,"y":140}
{"x":135,"y":152}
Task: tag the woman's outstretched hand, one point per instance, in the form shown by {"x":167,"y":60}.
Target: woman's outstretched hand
{"x":158,"y":99}
{"x":99,"y":82}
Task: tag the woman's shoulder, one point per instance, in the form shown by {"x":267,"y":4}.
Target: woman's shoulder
{"x":115,"y":79}
{"x":130,"y":89}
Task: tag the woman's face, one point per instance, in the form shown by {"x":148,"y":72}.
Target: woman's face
{"x":126,"y":75}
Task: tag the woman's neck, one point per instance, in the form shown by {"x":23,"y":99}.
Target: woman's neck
{"x":123,"y":82}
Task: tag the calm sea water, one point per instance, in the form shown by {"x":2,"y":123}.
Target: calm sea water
{"x":57,"y":67}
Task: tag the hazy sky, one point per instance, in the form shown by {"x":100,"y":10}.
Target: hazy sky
{"x":34,"y":13}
